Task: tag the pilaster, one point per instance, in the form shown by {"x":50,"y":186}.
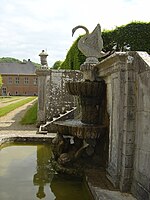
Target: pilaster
{"x":42,"y":79}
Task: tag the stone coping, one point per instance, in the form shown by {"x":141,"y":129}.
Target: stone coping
{"x":101,"y":188}
{"x":26,"y":138}
{"x":103,"y":194}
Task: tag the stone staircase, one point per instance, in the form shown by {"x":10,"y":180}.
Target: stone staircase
{"x":49,"y":126}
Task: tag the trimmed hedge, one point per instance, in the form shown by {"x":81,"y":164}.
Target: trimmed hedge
{"x":74,"y":57}
{"x":135,"y":35}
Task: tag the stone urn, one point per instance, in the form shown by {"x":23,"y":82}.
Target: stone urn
{"x":91,"y":95}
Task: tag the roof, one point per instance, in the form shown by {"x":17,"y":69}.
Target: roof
{"x":17,"y":68}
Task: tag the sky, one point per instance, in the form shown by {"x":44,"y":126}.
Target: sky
{"x":29,"y":26}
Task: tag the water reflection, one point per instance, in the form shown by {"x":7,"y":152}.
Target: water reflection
{"x":62,"y":187}
{"x":44,"y":173}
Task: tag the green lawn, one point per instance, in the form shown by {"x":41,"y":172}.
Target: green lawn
{"x":6,"y":109}
{"x":30,"y":116}
{"x":9,"y":99}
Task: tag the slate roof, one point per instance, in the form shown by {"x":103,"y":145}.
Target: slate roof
{"x":17,"y":68}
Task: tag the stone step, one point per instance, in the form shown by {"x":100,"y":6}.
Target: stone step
{"x":48,"y":126}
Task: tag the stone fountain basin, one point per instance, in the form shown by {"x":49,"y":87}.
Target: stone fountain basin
{"x":79,"y":129}
{"x":86,"y":88}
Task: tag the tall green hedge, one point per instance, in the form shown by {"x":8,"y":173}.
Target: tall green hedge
{"x":135,"y":35}
{"x":74,"y":57}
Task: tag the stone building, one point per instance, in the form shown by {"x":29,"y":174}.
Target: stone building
{"x":18,"y":79}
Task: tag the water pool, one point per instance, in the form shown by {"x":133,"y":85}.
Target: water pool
{"x":26,"y":174}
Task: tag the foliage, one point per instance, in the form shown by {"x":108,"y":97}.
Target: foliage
{"x":74,"y":57}
{"x":37,"y":65}
{"x":9,"y":60}
{"x":1,"y":81}
{"x":57,"y":65}
{"x":30,"y":116}
{"x":6,"y":109}
{"x":133,"y":36}
{"x":14,"y":60}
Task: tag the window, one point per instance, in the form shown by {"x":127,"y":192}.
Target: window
{"x":35,"y":81}
{"x":26,"y":80}
{"x":17,"y":80}
{"x":9,"y":80}
{"x":4,"y":91}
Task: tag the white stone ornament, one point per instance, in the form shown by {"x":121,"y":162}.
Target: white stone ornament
{"x":91,"y":44}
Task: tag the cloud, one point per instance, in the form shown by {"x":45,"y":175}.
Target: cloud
{"x":27,"y":26}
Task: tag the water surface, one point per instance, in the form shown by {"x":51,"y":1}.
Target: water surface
{"x":26,"y":174}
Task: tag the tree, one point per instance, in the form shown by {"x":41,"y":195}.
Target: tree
{"x":1,"y":81}
{"x":9,"y":60}
{"x":14,"y":60}
{"x":57,"y":64}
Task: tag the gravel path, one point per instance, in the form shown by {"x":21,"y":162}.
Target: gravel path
{"x":7,"y":101}
{"x":9,"y":124}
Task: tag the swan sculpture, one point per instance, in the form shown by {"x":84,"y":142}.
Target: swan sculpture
{"x":91,"y":44}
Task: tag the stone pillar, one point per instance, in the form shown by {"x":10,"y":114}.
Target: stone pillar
{"x":129,"y":128}
{"x":115,"y":110}
{"x":42,"y":82}
{"x":119,"y":74}
{"x":120,"y":80}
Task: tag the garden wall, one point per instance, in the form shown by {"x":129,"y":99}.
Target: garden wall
{"x":53,"y":98}
{"x":127,"y":76}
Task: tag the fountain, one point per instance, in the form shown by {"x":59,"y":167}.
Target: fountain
{"x":78,"y":140}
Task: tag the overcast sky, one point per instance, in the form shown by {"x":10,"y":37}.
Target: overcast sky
{"x":28,"y":26}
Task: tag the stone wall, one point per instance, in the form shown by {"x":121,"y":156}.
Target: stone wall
{"x":53,"y":99}
{"x":141,"y":174}
{"x":128,"y":104}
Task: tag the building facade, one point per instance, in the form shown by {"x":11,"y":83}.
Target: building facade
{"x":18,"y":79}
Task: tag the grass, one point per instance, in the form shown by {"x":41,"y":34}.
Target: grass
{"x":30,"y":116}
{"x":8,"y":100}
{"x":6,"y":109}
{"x":5,"y":97}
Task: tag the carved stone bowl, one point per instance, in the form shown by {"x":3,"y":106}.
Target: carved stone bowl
{"x":86,"y":88}
{"x":79,"y":129}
